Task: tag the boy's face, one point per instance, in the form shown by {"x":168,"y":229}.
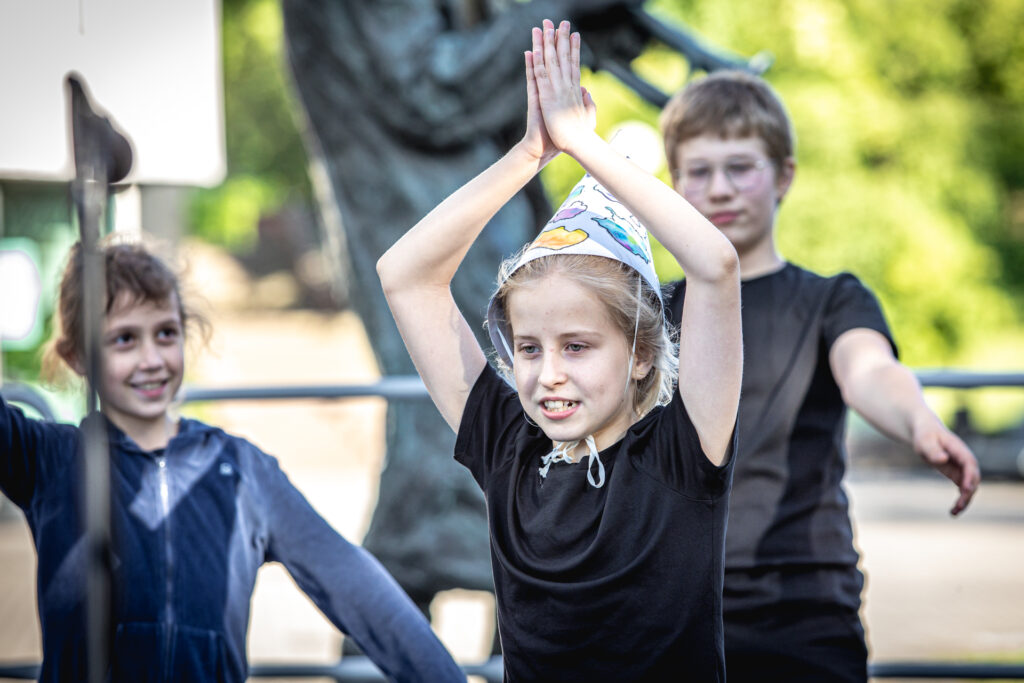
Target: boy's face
{"x":734,"y":184}
{"x":570,"y":361}
{"x":143,"y":362}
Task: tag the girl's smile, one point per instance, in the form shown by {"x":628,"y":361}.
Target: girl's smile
{"x":143,"y":365}
{"x":559,"y":409}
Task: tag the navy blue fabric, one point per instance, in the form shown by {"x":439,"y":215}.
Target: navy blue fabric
{"x":192,"y":524}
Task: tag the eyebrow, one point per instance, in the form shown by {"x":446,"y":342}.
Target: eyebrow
{"x":166,"y":322}
{"x":563,"y":336}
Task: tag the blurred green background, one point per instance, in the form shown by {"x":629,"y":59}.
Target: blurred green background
{"x":910,"y":139}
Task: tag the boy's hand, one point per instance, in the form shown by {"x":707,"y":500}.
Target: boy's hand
{"x":947,"y":453}
{"x":569,"y":113}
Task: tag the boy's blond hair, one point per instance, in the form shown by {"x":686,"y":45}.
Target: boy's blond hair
{"x":730,"y":104}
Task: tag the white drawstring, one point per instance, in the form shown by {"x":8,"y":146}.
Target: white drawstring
{"x":562,"y":453}
{"x":636,"y":329}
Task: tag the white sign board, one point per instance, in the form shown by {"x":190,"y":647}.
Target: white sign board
{"x":153,"y":66}
{"x":20,"y":290}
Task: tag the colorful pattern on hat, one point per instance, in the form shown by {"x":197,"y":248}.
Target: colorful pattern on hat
{"x":590,"y":221}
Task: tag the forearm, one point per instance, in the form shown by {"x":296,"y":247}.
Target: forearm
{"x":889,"y":397}
{"x":430,"y":253}
{"x":700,"y":248}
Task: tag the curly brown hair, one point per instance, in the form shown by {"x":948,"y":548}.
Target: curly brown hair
{"x":131,"y":270}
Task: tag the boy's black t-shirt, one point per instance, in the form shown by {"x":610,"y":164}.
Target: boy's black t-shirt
{"x":619,"y":583}
{"x":788,"y":510}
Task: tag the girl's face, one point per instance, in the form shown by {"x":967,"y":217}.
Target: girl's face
{"x":143,"y":362}
{"x":570,"y":361}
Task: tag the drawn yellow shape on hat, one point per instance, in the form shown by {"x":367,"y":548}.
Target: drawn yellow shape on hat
{"x":559,"y":238}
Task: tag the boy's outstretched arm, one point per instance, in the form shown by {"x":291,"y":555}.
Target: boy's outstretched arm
{"x":711,"y":346}
{"x":416,"y":272}
{"x":887,"y":394}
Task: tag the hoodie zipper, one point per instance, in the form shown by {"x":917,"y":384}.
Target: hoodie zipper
{"x":165,"y":501}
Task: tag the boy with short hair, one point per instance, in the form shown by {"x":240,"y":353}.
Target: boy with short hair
{"x":813,"y":346}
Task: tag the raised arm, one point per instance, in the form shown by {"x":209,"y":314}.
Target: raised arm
{"x":886,"y":393}
{"x":416,"y":272}
{"x":710,"y":345}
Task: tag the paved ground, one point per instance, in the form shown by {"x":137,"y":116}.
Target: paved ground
{"x":937,"y":588}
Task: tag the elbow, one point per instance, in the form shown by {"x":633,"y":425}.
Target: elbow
{"x":723,"y":265}
{"x":387,"y":272}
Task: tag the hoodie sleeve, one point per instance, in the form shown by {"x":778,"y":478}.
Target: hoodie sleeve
{"x":28,"y":449}
{"x":350,"y":586}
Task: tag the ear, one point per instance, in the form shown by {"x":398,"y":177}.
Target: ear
{"x":641,"y":367}
{"x":784,"y":178}
{"x":71,"y":358}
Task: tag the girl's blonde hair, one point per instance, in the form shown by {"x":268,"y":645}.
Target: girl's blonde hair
{"x":615,"y":284}
{"x":131,"y":269}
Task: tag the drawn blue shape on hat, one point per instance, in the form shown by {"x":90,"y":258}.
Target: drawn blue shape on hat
{"x":622,"y":236}
{"x":576,"y":190}
{"x":606,"y":194}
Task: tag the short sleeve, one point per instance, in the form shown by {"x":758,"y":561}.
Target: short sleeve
{"x":851,"y":306}
{"x":490,"y":427}
{"x":668,"y":447}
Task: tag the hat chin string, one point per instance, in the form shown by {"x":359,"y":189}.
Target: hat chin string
{"x":636,"y":329}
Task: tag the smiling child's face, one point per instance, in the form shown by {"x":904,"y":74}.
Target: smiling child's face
{"x":570,"y":361}
{"x":143,"y":362}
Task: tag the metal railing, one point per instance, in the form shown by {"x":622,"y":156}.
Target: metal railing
{"x":359,"y":669}
{"x":399,"y":387}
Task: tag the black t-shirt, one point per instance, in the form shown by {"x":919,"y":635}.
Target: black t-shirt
{"x":618,"y":583}
{"x":788,"y":510}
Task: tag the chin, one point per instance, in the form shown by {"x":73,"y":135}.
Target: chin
{"x":564,"y":435}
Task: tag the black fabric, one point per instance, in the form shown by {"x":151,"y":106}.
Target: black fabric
{"x":796,"y":643}
{"x":620,"y":583}
{"x":790,"y":545}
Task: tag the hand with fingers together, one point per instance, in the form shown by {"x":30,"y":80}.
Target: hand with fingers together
{"x":536,"y":140}
{"x":568,"y":109}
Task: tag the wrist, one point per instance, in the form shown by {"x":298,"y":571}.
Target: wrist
{"x":582,"y":144}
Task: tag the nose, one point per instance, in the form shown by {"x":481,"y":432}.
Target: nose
{"x":552,"y":369}
{"x":150,"y":358}
{"x":719,"y":186}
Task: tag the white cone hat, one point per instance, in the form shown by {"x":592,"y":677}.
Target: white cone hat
{"x":590,"y":221}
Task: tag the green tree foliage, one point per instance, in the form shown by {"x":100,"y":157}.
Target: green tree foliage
{"x":266,"y":158}
{"x":910,"y":138}
{"x":910,"y":129}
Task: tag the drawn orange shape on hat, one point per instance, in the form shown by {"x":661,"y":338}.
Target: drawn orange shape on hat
{"x":559,"y":238}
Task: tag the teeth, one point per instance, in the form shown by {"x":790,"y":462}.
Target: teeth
{"x":150,"y":385}
{"x":558,"y":406}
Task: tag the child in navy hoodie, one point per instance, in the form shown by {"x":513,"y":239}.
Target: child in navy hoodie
{"x":195,"y":512}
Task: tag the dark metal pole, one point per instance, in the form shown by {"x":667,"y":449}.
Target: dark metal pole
{"x":699,"y":55}
{"x":102,"y":156}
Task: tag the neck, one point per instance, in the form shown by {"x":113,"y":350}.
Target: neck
{"x":759,"y":260}
{"x":149,"y":435}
